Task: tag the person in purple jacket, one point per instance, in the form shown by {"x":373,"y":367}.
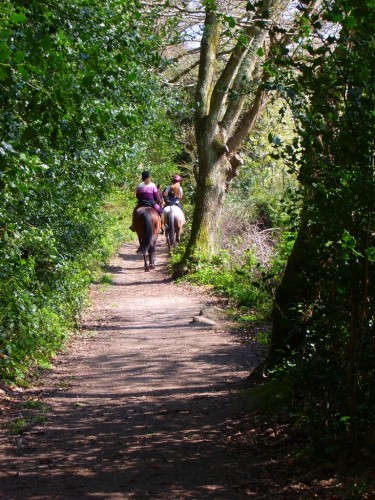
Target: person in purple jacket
{"x":147,"y":195}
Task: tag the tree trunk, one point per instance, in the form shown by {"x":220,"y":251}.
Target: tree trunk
{"x":205,"y":229}
{"x":226,"y":112}
{"x":296,"y":292}
{"x":214,"y":170}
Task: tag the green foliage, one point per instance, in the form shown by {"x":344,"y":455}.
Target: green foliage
{"x":17,"y":426}
{"x":262,"y":210}
{"x":272,"y":397}
{"x":259,"y":224}
{"x":106,"y":279}
{"x":264,"y":170}
{"x":237,"y":282}
{"x":326,"y":302}
{"x":34,"y":404}
{"x":32,"y":412}
{"x":79,"y":112}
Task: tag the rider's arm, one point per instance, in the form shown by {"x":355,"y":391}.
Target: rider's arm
{"x":155,"y":194}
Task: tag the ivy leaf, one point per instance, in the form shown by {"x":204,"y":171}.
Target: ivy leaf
{"x":370,"y":254}
{"x":87,"y":81}
{"x":17,"y":18}
{"x":5,"y":54}
{"x":3,"y":75}
{"x":131,"y":77}
{"x":19,"y":57}
{"x":350,"y":22}
{"x":231,"y":22}
{"x":46,"y":43}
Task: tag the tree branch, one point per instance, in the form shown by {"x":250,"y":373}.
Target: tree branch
{"x":209,"y":44}
{"x":192,"y":66}
{"x":238,"y":133}
{"x":249,"y":119}
{"x":239,"y":68}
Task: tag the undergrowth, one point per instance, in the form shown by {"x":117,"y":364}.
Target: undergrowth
{"x":252,"y":258}
{"x":45,"y":280}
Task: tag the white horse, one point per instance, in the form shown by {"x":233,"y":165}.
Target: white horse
{"x":174,"y":219}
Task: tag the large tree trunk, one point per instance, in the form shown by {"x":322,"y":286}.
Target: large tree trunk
{"x":214,"y":171}
{"x":225,"y":114}
{"x":205,"y":229}
{"x":296,"y":292}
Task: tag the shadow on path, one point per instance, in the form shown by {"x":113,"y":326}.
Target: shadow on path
{"x":139,"y":405}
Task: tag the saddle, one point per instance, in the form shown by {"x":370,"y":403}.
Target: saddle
{"x":177,"y":203}
{"x":146,"y":203}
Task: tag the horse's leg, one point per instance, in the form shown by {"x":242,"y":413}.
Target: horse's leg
{"x":178,"y":232}
{"x":171,"y":229}
{"x":166,"y":229}
{"x":167,"y":235}
{"x":151,"y":254}
{"x":140,"y":245}
{"x":147,"y":267}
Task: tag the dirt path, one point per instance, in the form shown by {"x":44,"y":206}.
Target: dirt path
{"x":139,"y":405}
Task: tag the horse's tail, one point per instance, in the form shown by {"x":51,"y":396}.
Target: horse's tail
{"x":147,"y":232}
{"x":171,"y":230}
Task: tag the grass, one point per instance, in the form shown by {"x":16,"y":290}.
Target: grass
{"x":34,"y":404}
{"x":33,"y":413}
{"x":106,"y":279}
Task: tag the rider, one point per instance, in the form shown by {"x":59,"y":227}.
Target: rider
{"x":172,"y":194}
{"x":147,"y":195}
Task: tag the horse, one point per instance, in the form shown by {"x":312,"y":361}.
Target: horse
{"x":146,"y":222}
{"x":174,"y":219}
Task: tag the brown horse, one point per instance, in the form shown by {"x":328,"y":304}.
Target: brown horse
{"x":174,"y":219}
{"x":146,"y":222}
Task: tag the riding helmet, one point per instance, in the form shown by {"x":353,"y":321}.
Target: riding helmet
{"x":176,"y":178}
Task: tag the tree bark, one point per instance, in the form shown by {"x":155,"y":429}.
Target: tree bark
{"x":225,"y":115}
{"x":296,"y":292}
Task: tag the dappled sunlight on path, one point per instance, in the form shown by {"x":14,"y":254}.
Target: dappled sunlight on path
{"x":139,"y":405}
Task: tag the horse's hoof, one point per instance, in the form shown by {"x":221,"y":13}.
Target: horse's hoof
{"x":152,"y":266}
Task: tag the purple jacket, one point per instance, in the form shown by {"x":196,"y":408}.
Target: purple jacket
{"x":148,"y":193}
